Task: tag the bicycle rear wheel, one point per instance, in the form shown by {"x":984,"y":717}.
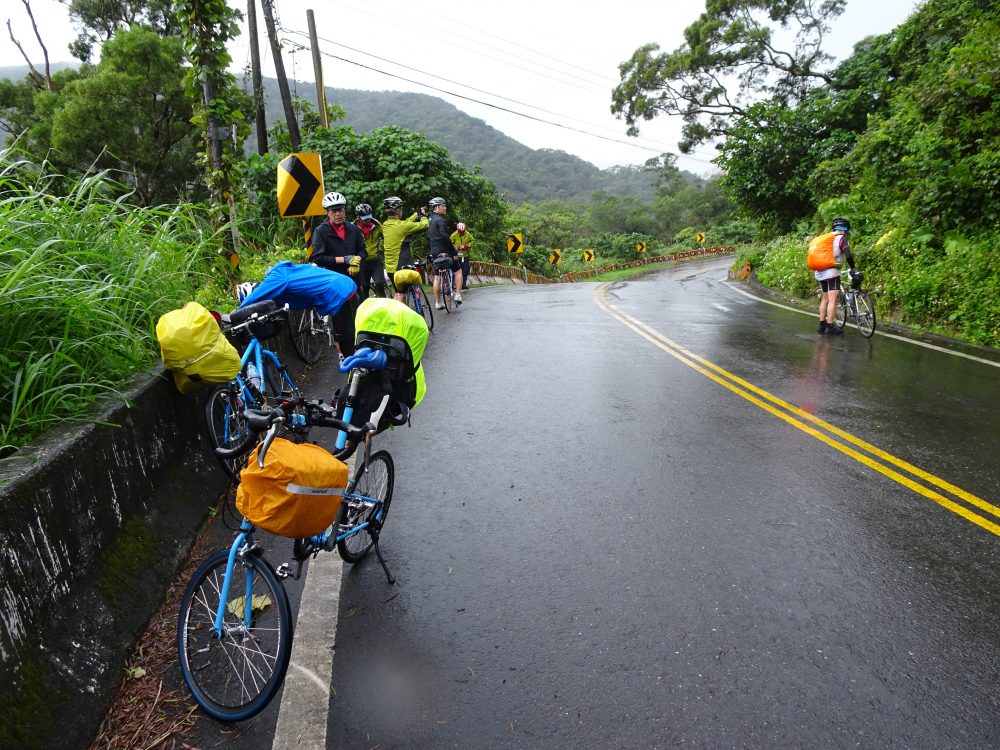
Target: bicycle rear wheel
{"x":227,"y":425}
{"x":368,"y":502}
{"x":446,"y":291}
{"x":840,"y":313}
{"x":308,"y":336}
{"x":235,"y":676}
{"x":866,"y":314}
{"x":420,"y":303}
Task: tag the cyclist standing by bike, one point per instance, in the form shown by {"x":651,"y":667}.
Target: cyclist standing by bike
{"x":825,"y":253}
{"x":441,"y":244}
{"x":462,"y":239}
{"x":336,"y":244}
{"x":370,"y":269}
{"x":395,"y":231}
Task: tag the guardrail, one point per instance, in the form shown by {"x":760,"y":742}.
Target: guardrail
{"x":479,"y":269}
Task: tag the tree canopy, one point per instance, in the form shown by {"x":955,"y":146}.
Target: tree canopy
{"x":730,"y":57}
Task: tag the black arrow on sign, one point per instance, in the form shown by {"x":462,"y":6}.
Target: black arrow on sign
{"x":308,"y":185}
{"x":515,"y":243}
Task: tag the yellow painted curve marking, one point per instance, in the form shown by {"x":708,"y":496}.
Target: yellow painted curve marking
{"x":747,"y":391}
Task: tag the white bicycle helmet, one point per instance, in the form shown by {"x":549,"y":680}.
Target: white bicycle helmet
{"x":243,"y":290}
{"x":333,"y":200}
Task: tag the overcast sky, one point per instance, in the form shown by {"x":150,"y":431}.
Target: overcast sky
{"x":555,"y":62}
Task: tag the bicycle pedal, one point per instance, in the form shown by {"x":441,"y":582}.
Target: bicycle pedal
{"x":283,"y":571}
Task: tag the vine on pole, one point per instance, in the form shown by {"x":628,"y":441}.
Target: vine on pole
{"x":206,"y":27}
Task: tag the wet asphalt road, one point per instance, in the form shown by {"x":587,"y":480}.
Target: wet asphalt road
{"x":597,"y":545}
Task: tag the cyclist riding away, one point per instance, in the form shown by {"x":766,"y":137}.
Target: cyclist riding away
{"x":336,"y":244}
{"x":441,"y":244}
{"x":370,"y":270}
{"x":396,"y":229}
{"x":825,"y":253}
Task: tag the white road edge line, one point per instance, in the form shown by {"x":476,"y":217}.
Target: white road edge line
{"x":878,"y":332}
{"x":305,"y":699}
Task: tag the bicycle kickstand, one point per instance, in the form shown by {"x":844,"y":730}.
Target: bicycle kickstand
{"x":374,"y":535}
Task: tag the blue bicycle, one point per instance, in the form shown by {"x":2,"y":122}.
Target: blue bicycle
{"x":234,"y":631}
{"x":416,"y":298}
{"x":263,"y":379}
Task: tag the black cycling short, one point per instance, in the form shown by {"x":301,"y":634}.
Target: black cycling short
{"x":830,"y":285}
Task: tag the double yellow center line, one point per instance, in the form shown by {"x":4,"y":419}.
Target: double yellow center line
{"x":877,"y":459}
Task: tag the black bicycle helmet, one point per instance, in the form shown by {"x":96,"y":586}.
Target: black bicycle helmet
{"x":393,"y":203}
{"x":363,"y":211}
{"x":438,"y":201}
{"x":841,"y":224}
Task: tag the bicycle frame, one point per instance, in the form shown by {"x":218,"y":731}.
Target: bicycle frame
{"x":256,"y":354}
{"x":244,"y":543}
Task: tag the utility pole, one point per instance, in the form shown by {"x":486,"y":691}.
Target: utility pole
{"x":324,"y":116}
{"x":258,"y":88}
{"x":279,"y":69}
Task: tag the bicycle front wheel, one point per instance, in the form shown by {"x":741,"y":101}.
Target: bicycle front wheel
{"x":234,"y":676}
{"x":227,"y":425}
{"x":866,"y":314}
{"x":307,"y":333}
{"x":840,"y":313}
{"x":423,"y":306}
{"x":367,"y":503}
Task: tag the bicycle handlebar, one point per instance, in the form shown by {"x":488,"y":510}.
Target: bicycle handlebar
{"x":259,"y":311}
{"x":317,"y":415}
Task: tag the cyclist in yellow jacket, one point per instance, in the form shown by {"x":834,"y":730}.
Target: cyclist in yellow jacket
{"x":462,"y":239}
{"x":371,"y":271}
{"x":395,"y":229}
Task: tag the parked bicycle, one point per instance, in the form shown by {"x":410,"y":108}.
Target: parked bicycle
{"x":263,"y":378}
{"x":414,"y":293}
{"x":311,"y":333}
{"x":857,"y":305}
{"x":442,"y":269}
{"x":234,"y":631}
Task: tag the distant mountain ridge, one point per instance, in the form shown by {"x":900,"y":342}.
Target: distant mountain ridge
{"x":522,"y":173}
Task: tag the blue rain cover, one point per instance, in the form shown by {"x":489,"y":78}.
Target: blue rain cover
{"x":303,"y":285}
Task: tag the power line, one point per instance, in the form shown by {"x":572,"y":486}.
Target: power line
{"x":633,"y":144}
{"x":662,"y":147}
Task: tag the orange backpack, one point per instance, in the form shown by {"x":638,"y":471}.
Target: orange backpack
{"x":820,"y":255}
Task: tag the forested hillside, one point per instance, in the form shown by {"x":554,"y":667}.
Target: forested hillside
{"x":521,"y":173}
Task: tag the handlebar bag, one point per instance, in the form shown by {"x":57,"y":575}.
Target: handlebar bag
{"x":194,"y":349}
{"x":296,"y":494}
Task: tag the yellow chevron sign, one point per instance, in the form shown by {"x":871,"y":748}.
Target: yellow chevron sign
{"x":555,"y":257}
{"x":700,"y":238}
{"x":300,"y":186}
{"x":514,"y":245}
{"x":588,"y":256}
{"x":641,"y":247}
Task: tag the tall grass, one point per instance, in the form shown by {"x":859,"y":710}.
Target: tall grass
{"x":84,"y":275}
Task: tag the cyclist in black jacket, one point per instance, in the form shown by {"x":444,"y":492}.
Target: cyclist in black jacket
{"x":440,"y":244}
{"x":337,"y":244}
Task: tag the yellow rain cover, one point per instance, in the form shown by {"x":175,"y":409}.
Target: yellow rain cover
{"x":396,"y":319}
{"x":296,"y":494}
{"x":194,"y":348}
{"x":406,"y":277}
